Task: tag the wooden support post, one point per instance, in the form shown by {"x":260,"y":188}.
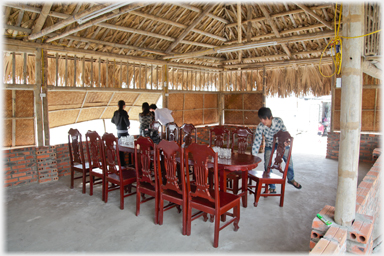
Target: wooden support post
{"x":74,"y":70}
{"x":350,"y":114}
{"x":264,"y":86}
{"x":57,"y":70}
{"x":38,"y":102}
{"x":25,"y":68}
{"x":45,"y":97}
{"x":165,"y":86}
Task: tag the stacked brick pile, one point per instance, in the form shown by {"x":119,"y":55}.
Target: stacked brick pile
{"x":359,"y":236}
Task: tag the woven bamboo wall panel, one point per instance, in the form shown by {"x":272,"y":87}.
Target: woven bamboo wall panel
{"x":133,"y":112}
{"x":378,"y":119}
{"x":251,"y":118}
{"x":7,"y":112}
{"x":129,"y":98}
{"x":178,"y":117}
{"x":151,"y":98}
{"x":90,"y":114}
{"x":210,"y":100}
{"x":253,"y":101}
{"x":337,"y":99}
{"x":108,"y":114}
{"x":25,"y":132}
{"x":94,"y":99}
{"x":176,"y":101}
{"x":367,"y":118}
{"x":7,"y":133}
{"x":193,"y":101}
{"x":210,"y":116}
{"x":65,"y":100}
{"x":368,"y":99}
{"x":233,"y":117}
{"x":369,"y":80}
{"x":64,"y":117}
{"x":194,"y":117}
{"x":233,"y":101}
{"x":24,"y":104}
{"x":336,"y":120}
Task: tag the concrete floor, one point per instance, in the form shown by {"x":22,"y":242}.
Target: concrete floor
{"x":54,"y":218}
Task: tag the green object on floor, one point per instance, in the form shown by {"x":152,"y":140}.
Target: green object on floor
{"x":327,"y":222}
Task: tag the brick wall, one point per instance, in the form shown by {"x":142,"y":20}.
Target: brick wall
{"x":35,"y":164}
{"x":358,"y":238}
{"x":368,"y":142}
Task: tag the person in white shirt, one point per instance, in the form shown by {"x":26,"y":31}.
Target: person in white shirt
{"x":163,"y":115}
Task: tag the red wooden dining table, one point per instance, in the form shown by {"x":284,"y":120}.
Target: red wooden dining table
{"x":237,"y":162}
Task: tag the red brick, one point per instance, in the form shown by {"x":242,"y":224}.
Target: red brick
{"x":331,"y":248}
{"x":14,"y":159}
{"x":320,"y":246}
{"x":26,"y":178}
{"x":331,"y":232}
{"x":311,"y":244}
{"x":10,"y":181}
{"x":364,"y":233}
{"x":18,"y":175}
{"x":354,"y":229}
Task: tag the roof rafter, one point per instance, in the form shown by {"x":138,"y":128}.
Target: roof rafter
{"x":314,"y":15}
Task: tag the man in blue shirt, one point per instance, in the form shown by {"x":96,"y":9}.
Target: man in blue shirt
{"x":268,"y":127}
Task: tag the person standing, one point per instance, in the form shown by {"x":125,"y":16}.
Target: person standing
{"x":121,"y":120}
{"x":163,"y":115}
{"x":145,"y":118}
{"x":268,"y":127}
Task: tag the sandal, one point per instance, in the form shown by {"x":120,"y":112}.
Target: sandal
{"x":295,"y":184}
{"x":272,"y":190}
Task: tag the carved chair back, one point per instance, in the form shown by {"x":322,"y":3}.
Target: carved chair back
{"x":188,"y":130}
{"x":219,"y":136}
{"x":243,"y":134}
{"x":282,"y":139}
{"x":75,"y":144}
{"x":146,"y":169}
{"x":172,"y":132}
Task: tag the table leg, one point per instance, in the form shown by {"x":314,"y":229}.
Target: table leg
{"x":244,"y":187}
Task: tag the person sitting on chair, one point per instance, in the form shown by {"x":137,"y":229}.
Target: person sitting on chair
{"x":268,"y":127}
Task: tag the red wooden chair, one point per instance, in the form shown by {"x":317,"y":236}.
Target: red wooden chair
{"x":241,"y":135}
{"x":205,"y":199}
{"x":146,"y":172}
{"x":173,"y":189}
{"x":172,"y":132}
{"x":219,"y":136}
{"x":114,"y":172}
{"x":263,"y":179}
{"x":186,"y":131}
{"x":76,"y":156}
{"x":96,"y":159}
{"x":156,"y":125}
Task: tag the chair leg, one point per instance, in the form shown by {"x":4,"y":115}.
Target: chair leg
{"x":189,"y":219}
{"x":90,"y":184}
{"x":282,"y":194}
{"x":121,"y":197}
{"x":138,"y":201}
{"x":185,"y":212}
{"x":103,"y":190}
{"x":235,"y":186}
{"x":157,"y":208}
{"x":216,"y":233}
{"x":244,"y":189}
{"x":84,"y":181}
{"x":258,"y":193}
{"x":161,"y":210}
{"x":106,"y":191}
{"x":72,"y":177}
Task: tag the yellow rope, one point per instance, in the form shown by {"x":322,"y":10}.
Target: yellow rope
{"x":337,"y":42}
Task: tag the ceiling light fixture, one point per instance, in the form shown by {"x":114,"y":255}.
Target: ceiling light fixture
{"x":101,"y":12}
{"x":246,"y":47}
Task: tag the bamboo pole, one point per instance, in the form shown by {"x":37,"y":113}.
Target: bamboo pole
{"x":45,"y":98}
{"x":65,"y":70}
{"x":25,"y":68}
{"x":38,"y":102}
{"x":57,"y":70}
{"x":350,"y":115}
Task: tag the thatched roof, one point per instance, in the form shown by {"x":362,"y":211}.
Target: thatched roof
{"x":194,"y":36}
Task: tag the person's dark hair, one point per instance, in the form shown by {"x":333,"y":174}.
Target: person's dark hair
{"x":153,"y":106}
{"x":264,"y":113}
{"x":145,"y":108}
{"x":121,"y":104}
{"x":145,"y":104}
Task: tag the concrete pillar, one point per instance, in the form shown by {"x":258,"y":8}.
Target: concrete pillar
{"x":350,"y":114}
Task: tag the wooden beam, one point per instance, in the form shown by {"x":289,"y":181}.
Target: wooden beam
{"x":42,"y":18}
{"x":98,"y":20}
{"x":239,"y":27}
{"x":179,"y":25}
{"x":45,"y":97}
{"x":190,"y":27}
{"x":38,"y":102}
{"x":274,"y":28}
{"x":281,"y":14}
{"x":195,"y":9}
{"x":314,"y":15}
{"x":282,"y":40}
